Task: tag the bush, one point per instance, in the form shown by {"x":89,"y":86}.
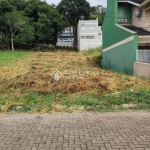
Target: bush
{"x":44,"y":48}
{"x":66,"y":48}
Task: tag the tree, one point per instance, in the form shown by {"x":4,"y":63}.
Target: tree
{"x":72,"y":10}
{"x":44,"y":30}
{"x":46,"y":21}
{"x":97,"y":12}
{"x":16,"y":21}
{"x":5,"y":6}
{"x":28,"y":22}
{"x":26,"y":35}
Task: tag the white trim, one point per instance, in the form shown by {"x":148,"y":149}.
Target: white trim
{"x":84,"y":23}
{"x":148,"y":36}
{"x":129,"y":2}
{"x":91,"y":43}
{"x":119,"y":43}
{"x":88,"y":34}
{"x":128,"y":30}
{"x":136,"y":4}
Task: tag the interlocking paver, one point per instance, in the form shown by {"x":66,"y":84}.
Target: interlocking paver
{"x":75,"y":131}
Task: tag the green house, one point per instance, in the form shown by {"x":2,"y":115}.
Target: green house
{"x":126,"y":35}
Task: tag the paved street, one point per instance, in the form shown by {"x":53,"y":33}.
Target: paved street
{"x":75,"y":131}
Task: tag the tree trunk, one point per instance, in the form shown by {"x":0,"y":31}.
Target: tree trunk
{"x":12,"y":42}
{"x":75,"y":36}
{"x":19,"y":39}
{"x":71,"y":35}
{"x":7,"y":38}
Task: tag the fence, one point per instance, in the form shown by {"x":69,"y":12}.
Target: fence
{"x":143,"y":56}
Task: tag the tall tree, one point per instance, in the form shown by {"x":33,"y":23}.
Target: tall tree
{"x":28,"y":21}
{"x":5,"y":6}
{"x":46,"y":20}
{"x":72,"y":11}
{"x":44,"y":30}
{"x":15,"y":21}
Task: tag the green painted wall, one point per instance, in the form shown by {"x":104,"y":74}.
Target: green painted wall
{"x":125,"y":11}
{"x":111,"y":33}
{"x":120,"y":58}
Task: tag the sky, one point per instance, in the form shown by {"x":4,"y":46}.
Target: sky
{"x":92,"y":2}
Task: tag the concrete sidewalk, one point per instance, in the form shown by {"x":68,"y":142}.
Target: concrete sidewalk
{"x":75,"y":131}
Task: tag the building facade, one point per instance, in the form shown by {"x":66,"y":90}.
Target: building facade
{"x":89,"y":34}
{"x":66,"y":38}
{"x":126,"y":36}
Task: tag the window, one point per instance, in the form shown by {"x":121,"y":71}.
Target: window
{"x":82,"y":37}
{"x":83,"y":28}
{"x":89,"y":37}
{"x":122,"y":20}
{"x":91,"y":28}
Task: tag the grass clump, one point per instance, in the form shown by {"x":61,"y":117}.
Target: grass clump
{"x":95,"y":52}
{"x":42,"y":103}
{"x":31,"y":102}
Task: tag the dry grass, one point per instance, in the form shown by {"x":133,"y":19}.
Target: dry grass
{"x":79,"y":74}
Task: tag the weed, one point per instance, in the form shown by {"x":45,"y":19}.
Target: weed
{"x":95,"y":52}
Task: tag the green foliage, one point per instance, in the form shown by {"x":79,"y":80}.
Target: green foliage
{"x":30,"y":22}
{"x":138,"y":99}
{"x":142,"y":95}
{"x":33,"y":22}
{"x":36,"y":102}
{"x":44,"y":48}
{"x":44,"y":30}
{"x":97,"y":12}
{"x":72,"y":10}
{"x":96,"y":52}
{"x":32,"y":102}
{"x":27,"y":34}
{"x":95,"y":16}
{"x":46,"y":20}
{"x":16,"y":22}
{"x":5,"y":6}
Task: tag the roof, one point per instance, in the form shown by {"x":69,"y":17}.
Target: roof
{"x":139,"y":31}
{"x":134,"y":1}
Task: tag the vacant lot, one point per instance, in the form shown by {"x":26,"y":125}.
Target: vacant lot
{"x":31,"y":85}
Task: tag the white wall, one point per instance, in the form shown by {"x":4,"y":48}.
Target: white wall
{"x":144,"y":20}
{"x":89,"y":34}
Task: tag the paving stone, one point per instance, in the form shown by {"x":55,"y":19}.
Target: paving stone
{"x":75,"y":131}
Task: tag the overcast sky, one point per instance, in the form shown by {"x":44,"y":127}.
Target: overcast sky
{"x":92,"y":2}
